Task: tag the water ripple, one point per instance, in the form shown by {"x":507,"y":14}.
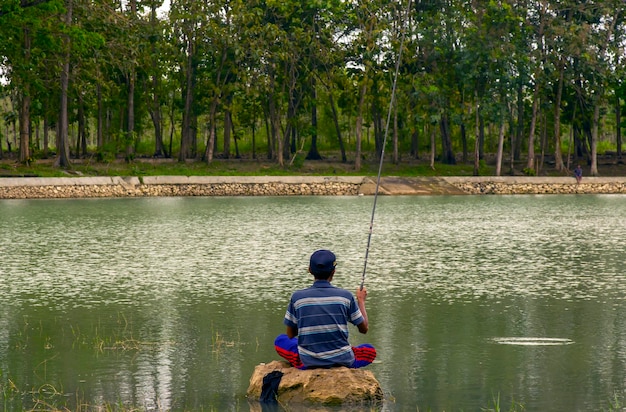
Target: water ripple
{"x":80,"y":252}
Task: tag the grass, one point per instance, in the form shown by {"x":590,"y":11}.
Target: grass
{"x":616,"y":404}
{"x":496,"y":407}
{"x":331,"y":165}
{"x":49,"y":398}
{"x":234,"y":167}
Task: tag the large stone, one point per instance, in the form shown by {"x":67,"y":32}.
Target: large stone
{"x":338,"y":386}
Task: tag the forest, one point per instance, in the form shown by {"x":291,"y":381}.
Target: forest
{"x":443,"y":80}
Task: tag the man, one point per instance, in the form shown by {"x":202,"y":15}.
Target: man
{"x":317,"y":322}
{"x":578,"y":173}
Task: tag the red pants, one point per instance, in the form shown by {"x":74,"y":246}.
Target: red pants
{"x":288,"y":349}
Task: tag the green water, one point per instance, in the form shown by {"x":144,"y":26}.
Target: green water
{"x":169,"y":303}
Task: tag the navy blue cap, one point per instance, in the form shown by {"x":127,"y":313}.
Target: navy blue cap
{"x":322,"y":262}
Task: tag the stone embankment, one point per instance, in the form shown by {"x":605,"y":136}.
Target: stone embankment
{"x":149,"y":186}
{"x":511,"y":185}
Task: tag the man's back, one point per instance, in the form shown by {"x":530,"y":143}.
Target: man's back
{"x":321,"y":315}
{"x":317,"y":322}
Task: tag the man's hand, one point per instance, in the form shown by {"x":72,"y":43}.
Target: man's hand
{"x":361,"y":294}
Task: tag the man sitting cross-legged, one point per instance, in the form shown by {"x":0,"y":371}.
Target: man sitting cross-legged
{"x":317,"y":322}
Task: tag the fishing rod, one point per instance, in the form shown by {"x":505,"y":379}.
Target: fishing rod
{"x":382,"y":152}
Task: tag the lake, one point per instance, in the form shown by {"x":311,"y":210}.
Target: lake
{"x":169,"y":303}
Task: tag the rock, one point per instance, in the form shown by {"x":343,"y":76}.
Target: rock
{"x":338,"y":386}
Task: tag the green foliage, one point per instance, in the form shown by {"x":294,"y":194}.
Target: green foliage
{"x":104,"y":156}
{"x":298,"y":160}
{"x":249,"y":56}
{"x":616,"y":404}
{"x":496,"y":407}
{"x":605,"y":146}
{"x":104,"y":164}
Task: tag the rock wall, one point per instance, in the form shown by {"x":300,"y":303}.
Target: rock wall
{"x":538,"y":185}
{"x":38,"y":188}
{"x":80,"y":191}
{"x":89,"y":187}
{"x":545,"y":189}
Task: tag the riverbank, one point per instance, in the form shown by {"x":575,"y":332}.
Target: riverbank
{"x":152,"y":186}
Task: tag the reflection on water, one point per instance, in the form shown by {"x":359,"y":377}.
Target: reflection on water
{"x":168,"y":303}
{"x":528,"y":341}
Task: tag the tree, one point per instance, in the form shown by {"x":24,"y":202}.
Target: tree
{"x":63,"y":157}
{"x":157,"y":53}
{"x":20,"y":27}
{"x":363,"y":53}
{"x":602,"y":21}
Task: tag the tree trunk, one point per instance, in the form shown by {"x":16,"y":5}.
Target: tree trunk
{"x":46,"y":135}
{"x":433,"y":147}
{"x":594,"y":139}
{"x":415,"y":143}
{"x":100,"y":123}
{"x":544,"y":141}
{"x":185,"y":138}
{"x":130,"y":131}
{"x":516,"y":146}
{"x":275,"y":128}
{"x":446,"y":140}
{"x":464,"y":142}
{"x":313,"y":153}
{"x":254,"y":139}
{"x":530,"y":164}
{"x":558,"y":156}
{"x":344,"y":159}
{"x":464,"y":155}
{"x":227,"y":130}
{"x":63,"y":149}
{"x":172,"y":127}
{"x":477,"y":141}
{"x":499,"y":153}
{"x":618,"y":121}
{"x":232,"y":127}
{"x":268,"y":132}
{"x":359,"y":126}
{"x":395,"y":156}
{"x":132,"y":80}
{"x":82,"y":128}
{"x":290,"y":132}
{"x":25,"y":108}
{"x":25,"y":127}
{"x":481,"y":140}
{"x":210,"y":144}
{"x":377,"y":120}
{"x":155,"y":113}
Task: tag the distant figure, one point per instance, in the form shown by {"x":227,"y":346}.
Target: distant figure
{"x":578,"y":173}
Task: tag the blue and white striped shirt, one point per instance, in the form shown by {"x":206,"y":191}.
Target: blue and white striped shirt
{"x":322,"y":313}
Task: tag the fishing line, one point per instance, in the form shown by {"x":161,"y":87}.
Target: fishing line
{"x":382,"y":152}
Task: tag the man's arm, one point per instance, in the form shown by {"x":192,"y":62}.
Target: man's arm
{"x":292,"y":332}
{"x":361,"y":295}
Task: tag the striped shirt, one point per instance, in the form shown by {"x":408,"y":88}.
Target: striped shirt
{"x":322,"y":313}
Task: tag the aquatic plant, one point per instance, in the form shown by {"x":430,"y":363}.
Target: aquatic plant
{"x":496,"y":407}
